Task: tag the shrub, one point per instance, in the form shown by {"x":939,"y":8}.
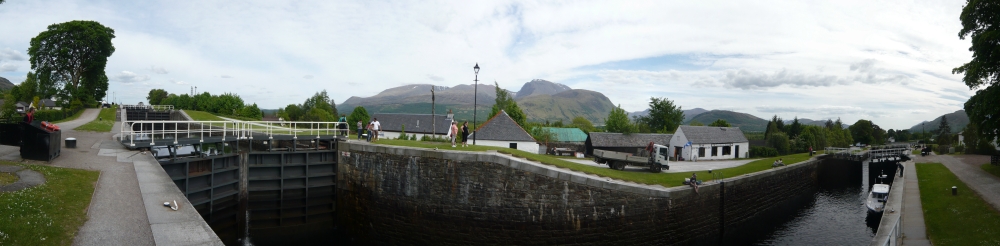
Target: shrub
{"x":760,"y":151}
{"x":960,"y":148}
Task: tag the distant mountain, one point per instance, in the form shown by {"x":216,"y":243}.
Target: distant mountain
{"x":5,"y":84}
{"x":542,"y":100}
{"x":745,"y":122}
{"x":957,"y":120}
{"x":688,"y":114}
{"x":567,"y":105}
{"x":805,"y":121}
{"x":540,"y":87}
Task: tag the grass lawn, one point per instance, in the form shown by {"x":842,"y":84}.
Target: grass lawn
{"x":71,"y":117}
{"x":202,"y":116}
{"x":48,"y":214}
{"x":916,"y":151}
{"x":105,"y":120}
{"x":955,"y":220}
{"x":664,"y":179}
{"x":995,"y":170}
{"x":8,"y":178}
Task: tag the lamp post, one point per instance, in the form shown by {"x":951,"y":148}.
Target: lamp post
{"x":475,"y":103}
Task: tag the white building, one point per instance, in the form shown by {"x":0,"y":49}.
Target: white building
{"x":420,"y":124}
{"x":709,"y":143}
{"x":502,"y":131}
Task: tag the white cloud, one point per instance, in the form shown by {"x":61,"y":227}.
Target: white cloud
{"x":7,"y":67}
{"x":129,"y":77}
{"x":158,"y":70}
{"x":225,"y":76}
{"x":8,"y":54}
{"x":178,"y":82}
{"x":307,"y":77}
{"x":435,"y":78}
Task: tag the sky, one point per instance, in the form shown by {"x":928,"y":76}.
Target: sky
{"x":885,"y":61}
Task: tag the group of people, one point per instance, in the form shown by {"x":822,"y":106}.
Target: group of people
{"x":373,"y":128}
{"x":778,"y":163}
{"x":453,"y":133}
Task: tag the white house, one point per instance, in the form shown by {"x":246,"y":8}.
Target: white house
{"x":709,"y":143}
{"x":502,"y":131}
{"x":420,"y":124}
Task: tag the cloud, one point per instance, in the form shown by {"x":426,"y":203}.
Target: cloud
{"x":158,"y":70}
{"x":129,"y":77}
{"x":435,"y":78}
{"x":7,"y":67}
{"x":749,"y":80}
{"x":307,"y":77}
{"x":832,"y":111}
{"x":8,"y":54}
{"x":225,"y":76}
{"x":178,"y":82}
{"x":870,"y":74}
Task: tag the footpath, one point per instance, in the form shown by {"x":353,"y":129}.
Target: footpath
{"x":912,"y":221}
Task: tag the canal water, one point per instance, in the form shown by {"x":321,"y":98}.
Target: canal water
{"x":836,"y":214}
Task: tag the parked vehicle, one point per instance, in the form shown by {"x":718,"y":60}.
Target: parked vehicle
{"x":655,"y":160}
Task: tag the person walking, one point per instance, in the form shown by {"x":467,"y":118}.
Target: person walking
{"x":453,"y":132}
{"x":465,"y":134}
{"x":359,"y":130}
{"x":377,"y":128}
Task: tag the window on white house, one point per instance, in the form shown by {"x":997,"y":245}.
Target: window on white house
{"x":727,"y":150}
{"x":701,"y":152}
{"x":715,"y":151}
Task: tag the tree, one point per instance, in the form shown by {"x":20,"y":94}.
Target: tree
{"x":695,"y":123}
{"x":663,"y":117}
{"x":773,"y":126}
{"x":980,"y":22}
{"x":795,"y":128}
{"x":582,"y":123}
{"x":359,"y":114}
{"x":618,"y":121}
{"x":779,"y":141}
{"x":863,"y":132}
{"x":294,"y":112}
{"x":720,"y":123}
{"x":156,"y":96}
{"x":73,"y":52}
{"x":944,"y":127}
{"x":506,"y":103}
{"x":321,"y":101}
{"x":317,"y":114}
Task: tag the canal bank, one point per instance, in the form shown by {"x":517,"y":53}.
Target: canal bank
{"x":391,"y":195}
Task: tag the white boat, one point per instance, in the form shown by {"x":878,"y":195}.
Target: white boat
{"x":877,"y":197}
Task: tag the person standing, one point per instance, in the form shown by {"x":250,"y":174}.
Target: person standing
{"x":30,"y":116}
{"x":342,"y":125}
{"x":371,"y":129}
{"x":359,"y":130}
{"x":377,"y":128}
{"x":900,"y":165}
{"x":453,"y":132}
{"x":465,"y":134}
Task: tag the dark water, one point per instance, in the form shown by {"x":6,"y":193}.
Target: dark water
{"x":836,"y":214}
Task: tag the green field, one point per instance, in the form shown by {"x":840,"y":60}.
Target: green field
{"x":964,"y":219}
{"x":664,"y":179}
{"x":202,"y":116}
{"x":995,"y":170}
{"x":105,"y":120}
{"x":49,"y":214}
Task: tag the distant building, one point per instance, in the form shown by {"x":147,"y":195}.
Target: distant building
{"x":503,"y":131}
{"x":420,"y":124}
{"x":628,"y":143}
{"x":567,"y":135}
{"x":709,"y":143}
{"x":21,"y":107}
{"x":46,"y":104}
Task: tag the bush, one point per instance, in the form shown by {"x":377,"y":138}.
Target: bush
{"x":435,"y":139}
{"x":960,"y":148}
{"x":760,"y":151}
{"x":54,"y":114}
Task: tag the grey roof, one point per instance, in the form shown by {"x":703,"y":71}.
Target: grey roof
{"x":502,"y":128}
{"x":47,"y":102}
{"x":611,"y":139}
{"x":415,"y":123}
{"x":713,"y":134}
{"x":21,"y":104}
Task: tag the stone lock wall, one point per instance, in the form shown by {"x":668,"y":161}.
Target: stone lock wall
{"x":399,"y":195}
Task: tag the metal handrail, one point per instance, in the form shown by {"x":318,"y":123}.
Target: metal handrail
{"x":153,"y":107}
{"x":237,"y":129}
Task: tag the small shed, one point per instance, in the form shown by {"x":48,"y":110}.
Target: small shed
{"x":628,"y":143}
{"x":503,"y":131}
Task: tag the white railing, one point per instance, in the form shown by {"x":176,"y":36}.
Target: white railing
{"x":153,"y":107}
{"x":173,"y":130}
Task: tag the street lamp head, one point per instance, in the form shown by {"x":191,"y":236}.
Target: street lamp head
{"x":476,"y":68}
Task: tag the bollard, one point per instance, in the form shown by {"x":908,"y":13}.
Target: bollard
{"x":954,"y":190}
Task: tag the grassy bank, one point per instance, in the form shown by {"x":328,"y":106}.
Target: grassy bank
{"x":644,"y":177}
{"x":995,"y":170}
{"x":202,"y":116}
{"x":964,"y":219}
{"x":71,"y":117}
{"x":105,"y":120}
{"x":49,"y":214}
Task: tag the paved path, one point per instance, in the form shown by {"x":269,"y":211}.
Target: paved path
{"x":26,"y":178}
{"x":912,"y":221}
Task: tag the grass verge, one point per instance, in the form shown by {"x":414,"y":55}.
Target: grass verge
{"x":202,"y":116}
{"x":644,"y":177}
{"x":964,"y":219}
{"x":104,"y":122}
{"x":8,"y":178}
{"x":71,"y":117}
{"x":995,"y":170}
{"x":48,"y":214}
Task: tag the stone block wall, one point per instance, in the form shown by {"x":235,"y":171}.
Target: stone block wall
{"x":399,"y":195}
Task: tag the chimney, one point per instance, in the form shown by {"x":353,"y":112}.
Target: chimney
{"x":451,"y":116}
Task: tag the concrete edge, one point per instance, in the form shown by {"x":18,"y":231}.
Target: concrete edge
{"x":889,"y":229}
{"x":167,"y":226}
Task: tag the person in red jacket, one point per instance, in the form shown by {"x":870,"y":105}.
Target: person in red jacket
{"x":30,"y":116}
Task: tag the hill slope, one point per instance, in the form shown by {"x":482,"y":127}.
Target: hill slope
{"x":957,"y":120}
{"x":567,"y":105}
{"x":688,"y":113}
{"x":540,"y":87}
{"x":5,"y":84}
{"x":745,"y":122}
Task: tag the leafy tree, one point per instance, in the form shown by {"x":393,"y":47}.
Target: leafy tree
{"x":250,"y":111}
{"x":862,"y":131}
{"x":156,"y":96}
{"x":720,"y":123}
{"x":294,"y":112}
{"x":506,"y":103}
{"x":27,"y":90}
{"x":980,"y":22}
{"x":320,"y":100}
{"x":779,"y":141}
{"x":663,"y":117}
{"x":228,"y":104}
{"x":795,"y":128}
{"x":72,"y":53}
{"x":359,"y":114}
{"x":618,"y":121}
{"x":774,"y":126}
{"x":317,"y":114}
{"x":582,"y":123}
